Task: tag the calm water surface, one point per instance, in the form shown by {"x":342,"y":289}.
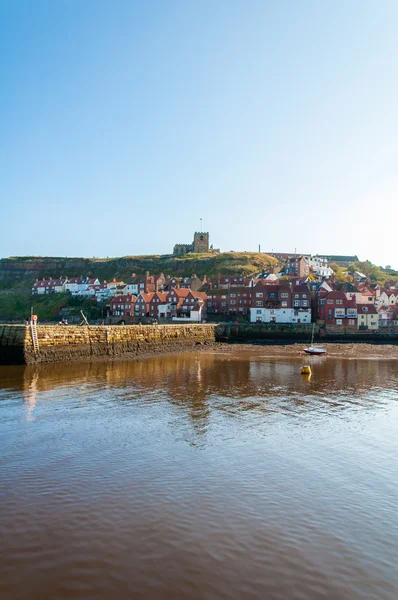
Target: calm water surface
{"x":199,"y":476}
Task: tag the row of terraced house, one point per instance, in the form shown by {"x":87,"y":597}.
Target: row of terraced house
{"x":263,"y":298}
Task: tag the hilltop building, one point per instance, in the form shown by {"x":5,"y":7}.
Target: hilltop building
{"x":199,"y":245}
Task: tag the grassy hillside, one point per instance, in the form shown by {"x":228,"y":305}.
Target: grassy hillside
{"x":16,"y":304}
{"x":374,"y":274}
{"x":17,"y":275}
{"x":22,"y":271}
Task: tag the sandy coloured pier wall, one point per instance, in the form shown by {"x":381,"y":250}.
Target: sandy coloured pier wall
{"x":64,"y":343}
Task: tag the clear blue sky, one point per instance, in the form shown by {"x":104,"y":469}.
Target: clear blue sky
{"x":122,"y":123}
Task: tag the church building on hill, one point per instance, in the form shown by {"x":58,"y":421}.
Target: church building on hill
{"x":199,"y":245}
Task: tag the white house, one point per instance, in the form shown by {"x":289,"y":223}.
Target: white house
{"x":58,"y":285}
{"x":131,"y":288}
{"x":324,"y":272}
{"x":387,"y":298}
{"x":49,"y":286}
{"x":72,"y":285}
{"x":317,"y":262}
{"x":280,"y":315}
{"x":40,"y":287}
{"x":81,"y":287}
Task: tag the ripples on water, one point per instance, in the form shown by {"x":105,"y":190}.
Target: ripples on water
{"x":199,"y":476}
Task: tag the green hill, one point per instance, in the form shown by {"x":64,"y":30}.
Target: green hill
{"x":23,"y":270}
{"x":17,"y":274}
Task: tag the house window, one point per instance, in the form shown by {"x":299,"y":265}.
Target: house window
{"x":284,"y":304}
{"x":296,"y":303}
{"x":330,"y":301}
{"x":259,"y":295}
{"x":284,"y":295}
{"x":297,"y":295}
{"x":223,"y":304}
{"x":259,"y":303}
{"x":339,"y":302}
{"x":351,"y":322}
{"x":339,"y":322}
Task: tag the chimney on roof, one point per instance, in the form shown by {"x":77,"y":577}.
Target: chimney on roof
{"x":147,"y":273}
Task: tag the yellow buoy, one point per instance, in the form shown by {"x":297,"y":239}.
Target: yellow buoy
{"x":306,"y":370}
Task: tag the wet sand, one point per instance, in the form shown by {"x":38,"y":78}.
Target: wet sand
{"x":334,"y":350}
{"x":355,"y":351}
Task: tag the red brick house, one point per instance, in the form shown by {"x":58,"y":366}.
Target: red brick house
{"x":142,"y":305}
{"x":122,"y":306}
{"x":191,"y":299}
{"x":337,"y":310}
{"x":271,"y":296}
{"x":157,"y":299}
{"x":151,"y":283}
{"x":193,"y":283}
{"x":297,"y":266}
{"x":229,"y":301}
{"x":225,"y":282}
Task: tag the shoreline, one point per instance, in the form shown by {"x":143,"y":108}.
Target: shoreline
{"x":353,"y":351}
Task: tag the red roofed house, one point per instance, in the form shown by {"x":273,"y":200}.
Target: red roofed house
{"x":157,"y":300}
{"x":41,"y":287}
{"x":179,"y":303}
{"x":49,"y":286}
{"x":142,"y":304}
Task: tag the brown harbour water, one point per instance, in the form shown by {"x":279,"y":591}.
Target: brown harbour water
{"x":204,"y":476}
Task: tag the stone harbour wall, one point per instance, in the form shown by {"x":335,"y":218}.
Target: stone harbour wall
{"x":64,"y":343}
{"x":246,"y":332}
{"x":12,"y":344}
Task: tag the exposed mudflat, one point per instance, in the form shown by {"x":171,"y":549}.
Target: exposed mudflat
{"x":344,"y":350}
{"x":334,"y":350}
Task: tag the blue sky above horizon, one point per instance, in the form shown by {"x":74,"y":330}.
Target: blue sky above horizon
{"x":124,"y":123}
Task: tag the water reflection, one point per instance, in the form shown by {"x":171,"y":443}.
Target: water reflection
{"x":190,"y":381}
{"x":210,"y":475}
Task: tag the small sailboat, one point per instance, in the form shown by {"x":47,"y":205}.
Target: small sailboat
{"x":316,"y":350}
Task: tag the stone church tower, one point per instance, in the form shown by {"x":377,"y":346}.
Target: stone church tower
{"x":201,"y":241}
